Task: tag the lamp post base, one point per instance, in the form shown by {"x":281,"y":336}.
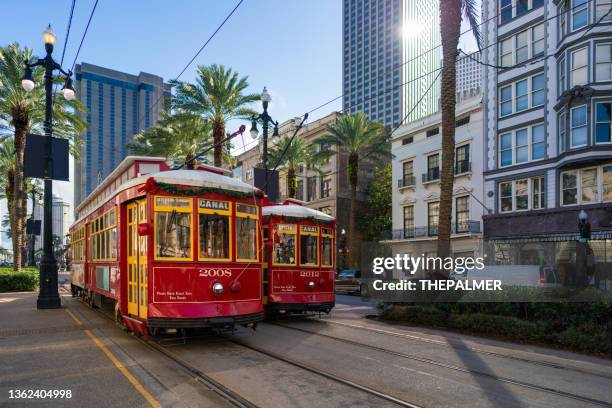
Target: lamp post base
{"x":48,"y":296}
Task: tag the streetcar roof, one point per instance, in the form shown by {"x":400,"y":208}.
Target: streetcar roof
{"x":292,"y":210}
{"x":193,"y":178}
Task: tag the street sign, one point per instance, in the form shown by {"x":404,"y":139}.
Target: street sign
{"x":33,"y":227}
{"x":34,"y":158}
{"x":272,"y":185}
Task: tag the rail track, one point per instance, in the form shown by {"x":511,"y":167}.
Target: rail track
{"x":450,"y":344}
{"x":453,"y":367}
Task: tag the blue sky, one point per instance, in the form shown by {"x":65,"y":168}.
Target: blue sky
{"x":291,"y":46}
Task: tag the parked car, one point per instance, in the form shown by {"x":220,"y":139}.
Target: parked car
{"x":349,"y":281}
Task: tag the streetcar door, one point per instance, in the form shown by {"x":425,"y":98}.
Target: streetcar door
{"x":132,"y":258}
{"x":142,"y":260}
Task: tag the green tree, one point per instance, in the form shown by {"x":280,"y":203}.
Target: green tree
{"x":219,"y":95}
{"x":290,"y":156}
{"x":376,"y":218}
{"x":360,"y":139}
{"x":22,"y":112}
{"x":180,"y":138}
{"x":450,"y":31}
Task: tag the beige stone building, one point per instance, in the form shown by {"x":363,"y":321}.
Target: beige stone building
{"x":328,"y":192}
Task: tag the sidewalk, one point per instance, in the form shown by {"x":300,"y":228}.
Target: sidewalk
{"x":75,"y":349}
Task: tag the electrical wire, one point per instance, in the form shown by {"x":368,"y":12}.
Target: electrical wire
{"x":76,"y":56}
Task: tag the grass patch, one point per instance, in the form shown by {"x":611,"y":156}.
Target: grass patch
{"x":26,"y":280}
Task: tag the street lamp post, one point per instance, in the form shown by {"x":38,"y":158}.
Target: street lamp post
{"x":48,"y":296}
{"x":265,"y":119}
{"x":35,"y":195}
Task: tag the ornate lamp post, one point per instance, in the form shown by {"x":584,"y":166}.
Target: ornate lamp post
{"x":265,"y":119}
{"x":48,"y":296}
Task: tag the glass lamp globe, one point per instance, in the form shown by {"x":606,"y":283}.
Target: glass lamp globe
{"x":265,"y":96}
{"x":27,"y":85}
{"x":49,"y":36}
{"x":68,"y":94}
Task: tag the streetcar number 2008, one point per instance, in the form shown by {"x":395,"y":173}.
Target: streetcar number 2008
{"x":309,"y":274}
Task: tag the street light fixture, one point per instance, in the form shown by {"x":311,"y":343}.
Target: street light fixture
{"x":265,"y":119}
{"x":48,"y":296}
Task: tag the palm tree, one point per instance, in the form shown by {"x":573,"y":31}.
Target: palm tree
{"x":360,"y":139}
{"x":179,"y":138}
{"x":22,"y":112}
{"x":290,"y":155}
{"x":7,"y":181}
{"x":450,"y":31}
{"x":218,"y":94}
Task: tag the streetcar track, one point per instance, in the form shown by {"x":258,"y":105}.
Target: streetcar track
{"x":202,"y":378}
{"x":454,"y":367}
{"x":328,"y":375}
{"x":454,"y":345}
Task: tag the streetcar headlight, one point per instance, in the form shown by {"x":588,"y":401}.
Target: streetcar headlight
{"x":311,"y":285}
{"x":217,"y":288}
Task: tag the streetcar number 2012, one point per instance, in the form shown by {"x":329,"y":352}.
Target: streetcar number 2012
{"x":309,"y":274}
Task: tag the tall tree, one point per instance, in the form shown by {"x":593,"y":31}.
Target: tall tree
{"x":22,"y":112}
{"x":376,"y":219}
{"x":180,"y":138}
{"x":291,"y":154}
{"x":450,"y":31}
{"x":219,"y":95}
{"x":361,"y":139}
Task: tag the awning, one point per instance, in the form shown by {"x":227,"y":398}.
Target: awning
{"x":595,"y":236}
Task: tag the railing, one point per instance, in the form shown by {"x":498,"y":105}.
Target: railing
{"x":464,"y":227}
{"x":463,"y":166}
{"x":431,"y":175}
{"x":406,"y":181}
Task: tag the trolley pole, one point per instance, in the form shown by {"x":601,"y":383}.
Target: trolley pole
{"x":48,"y":295}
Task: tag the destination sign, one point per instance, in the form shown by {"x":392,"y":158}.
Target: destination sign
{"x":308,"y":228}
{"x":215,"y":205}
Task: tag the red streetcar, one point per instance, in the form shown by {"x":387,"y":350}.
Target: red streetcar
{"x":171,"y":248}
{"x":299,"y":260}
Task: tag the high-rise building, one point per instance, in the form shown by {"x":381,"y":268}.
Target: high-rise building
{"x":118,"y":106}
{"x":548,"y":125}
{"x":390,"y":59}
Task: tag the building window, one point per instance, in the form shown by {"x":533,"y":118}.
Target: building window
{"x":586,"y":186}
{"x":603,"y":122}
{"x":562,"y":131}
{"x":433,"y":212}
{"x":561,"y":83}
{"x":407,"y":140}
{"x":522,"y":145}
{"x":462,"y":159}
{"x":433,"y":132}
{"x":528,"y":93}
{"x":578,"y":131}
{"x":521,"y":195}
{"x":311,"y":188}
{"x":603,"y":61}
{"x":522,"y":46}
{"x":462,"y":214}
{"x":433,"y":169}
{"x":463,"y":121}
{"x":249,"y":174}
{"x":508,"y":10}
{"x":325,"y":187}
{"x":300,"y":190}
{"x":579,"y":67}
{"x":408,"y":222}
{"x":603,"y":10}
{"x":407,"y":174}
{"x":579,"y":13}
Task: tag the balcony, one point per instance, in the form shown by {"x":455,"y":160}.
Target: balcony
{"x":462,"y":167}
{"x":457,"y":228}
{"x":406,"y":181}
{"x":431,"y":175}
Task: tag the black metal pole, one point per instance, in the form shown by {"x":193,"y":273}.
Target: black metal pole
{"x":265,"y":119}
{"x":32,"y":234}
{"x":48,"y":296}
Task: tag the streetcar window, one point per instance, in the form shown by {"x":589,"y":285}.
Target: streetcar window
{"x":284,"y":244}
{"x":246,"y":232}
{"x":246,"y":238}
{"x":327,"y":251}
{"x":308,"y":250}
{"x":173,"y":235}
{"x":214,"y":236}
{"x":309,"y":243}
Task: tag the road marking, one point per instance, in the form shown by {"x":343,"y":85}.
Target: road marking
{"x":76,"y":319}
{"x":135,"y":383}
